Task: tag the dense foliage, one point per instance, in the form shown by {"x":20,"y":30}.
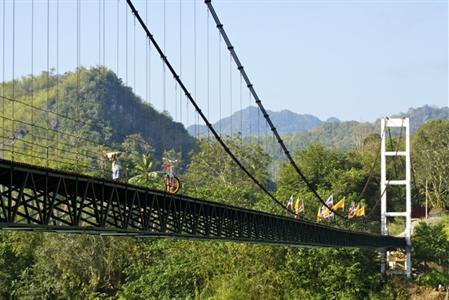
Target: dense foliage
{"x":431,"y":157}
{"x":432,"y":253}
{"x":62,"y":266}
{"x":53,"y":266}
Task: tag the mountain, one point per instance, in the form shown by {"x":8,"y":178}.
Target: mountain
{"x":350,"y":134}
{"x":420,"y":115}
{"x":85,"y":111}
{"x":250,"y":122}
{"x":301,"y":130}
{"x":345,"y":135}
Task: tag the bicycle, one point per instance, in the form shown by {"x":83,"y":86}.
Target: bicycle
{"x":172,"y":184}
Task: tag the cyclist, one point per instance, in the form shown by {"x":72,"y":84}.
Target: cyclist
{"x":171,"y":182}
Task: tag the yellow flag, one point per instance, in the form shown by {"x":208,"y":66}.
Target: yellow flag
{"x":297,"y":205}
{"x":340,"y":204}
{"x":359,"y":211}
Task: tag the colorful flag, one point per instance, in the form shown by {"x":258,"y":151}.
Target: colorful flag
{"x":351,"y":210}
{"x":360,"y":212}
{"x":290,"y":203}
{"x":357,"y":208}
{"x":299,"y":208}
{"x":340,"y":204}
{"x":325,"y":212}
{"x":328,"y":213}
{"x":297,"y":205}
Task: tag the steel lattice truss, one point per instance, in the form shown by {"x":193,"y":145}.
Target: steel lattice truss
{"x":40,"y":199}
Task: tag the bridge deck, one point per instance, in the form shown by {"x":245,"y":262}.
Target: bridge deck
{"x":36,"y":198}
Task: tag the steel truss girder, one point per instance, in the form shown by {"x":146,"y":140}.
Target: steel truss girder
{"x":40,"y":199}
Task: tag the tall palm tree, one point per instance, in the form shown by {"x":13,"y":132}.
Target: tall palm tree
{"x":145,"y":175}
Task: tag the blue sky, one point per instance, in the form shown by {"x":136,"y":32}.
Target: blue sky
{"x":349,"y":59}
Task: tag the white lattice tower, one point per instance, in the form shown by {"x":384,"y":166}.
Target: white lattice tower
{"x":403,"y":124}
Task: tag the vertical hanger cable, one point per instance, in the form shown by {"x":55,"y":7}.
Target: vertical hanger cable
{"x":230,"y":91}
{"x":219,"y":82}
{"x":48,"y":85}
{"x":78,"y":48}
{"x":99,"y":33}
{"x":32,"y":76}
{"x":13,"y":73}
{"x":241,"y":111}
{"x":163,"y":64}
{"x":126,"y":47}
{"x":118,"y":38}
{"x":146,"y":54}
{"x":3,"y":77}
{"x":134,"y":55}
{"x":57,"y":69}
{"x":208,"y":70}
{"x":104,"y":34}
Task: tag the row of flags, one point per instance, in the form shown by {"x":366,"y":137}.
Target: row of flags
{"x":324,"y":212}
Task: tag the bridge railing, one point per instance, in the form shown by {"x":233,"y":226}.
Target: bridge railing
{"x":38,"y":137}
{"x":41,"y":199}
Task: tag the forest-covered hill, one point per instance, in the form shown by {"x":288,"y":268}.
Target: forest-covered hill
{"x":92,"y":104}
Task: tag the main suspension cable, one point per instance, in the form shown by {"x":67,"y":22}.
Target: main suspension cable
{"x":199,"y":111}
{"x":262,"y":108}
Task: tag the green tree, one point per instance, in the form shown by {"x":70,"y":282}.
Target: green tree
{"x":145,"y":175}
{"x":330,"y":172}
{"x":431,"y":254}
{"x":431,"y":244}
{"x":71,"y":266}
{"x":430,"y":161}
{"x":212,"y":174}
{"x":331,"y":273}
{"x":16,"y":258}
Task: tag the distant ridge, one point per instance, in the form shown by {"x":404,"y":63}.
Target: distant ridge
{"x":288,"y":122}
{"x":351,"y":134}
{"x":250,"y":122}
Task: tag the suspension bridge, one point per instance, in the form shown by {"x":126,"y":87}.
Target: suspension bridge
{"x":55,"y":180}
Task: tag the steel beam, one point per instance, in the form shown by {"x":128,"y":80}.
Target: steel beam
{"x":40,"y":199}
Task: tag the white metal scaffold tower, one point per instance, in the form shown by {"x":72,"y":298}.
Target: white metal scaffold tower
{"x":403,"y":124}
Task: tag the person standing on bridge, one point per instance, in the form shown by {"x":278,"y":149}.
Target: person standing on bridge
{"x":116,"y":166}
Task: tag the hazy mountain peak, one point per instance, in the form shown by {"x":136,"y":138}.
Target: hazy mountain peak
{"x":250,"y":121}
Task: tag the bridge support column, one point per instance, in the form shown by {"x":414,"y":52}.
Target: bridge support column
{"x":383,"y":263}
{"x":403,"y":124}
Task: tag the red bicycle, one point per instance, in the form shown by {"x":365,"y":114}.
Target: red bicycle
{"x":172,"y":183}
